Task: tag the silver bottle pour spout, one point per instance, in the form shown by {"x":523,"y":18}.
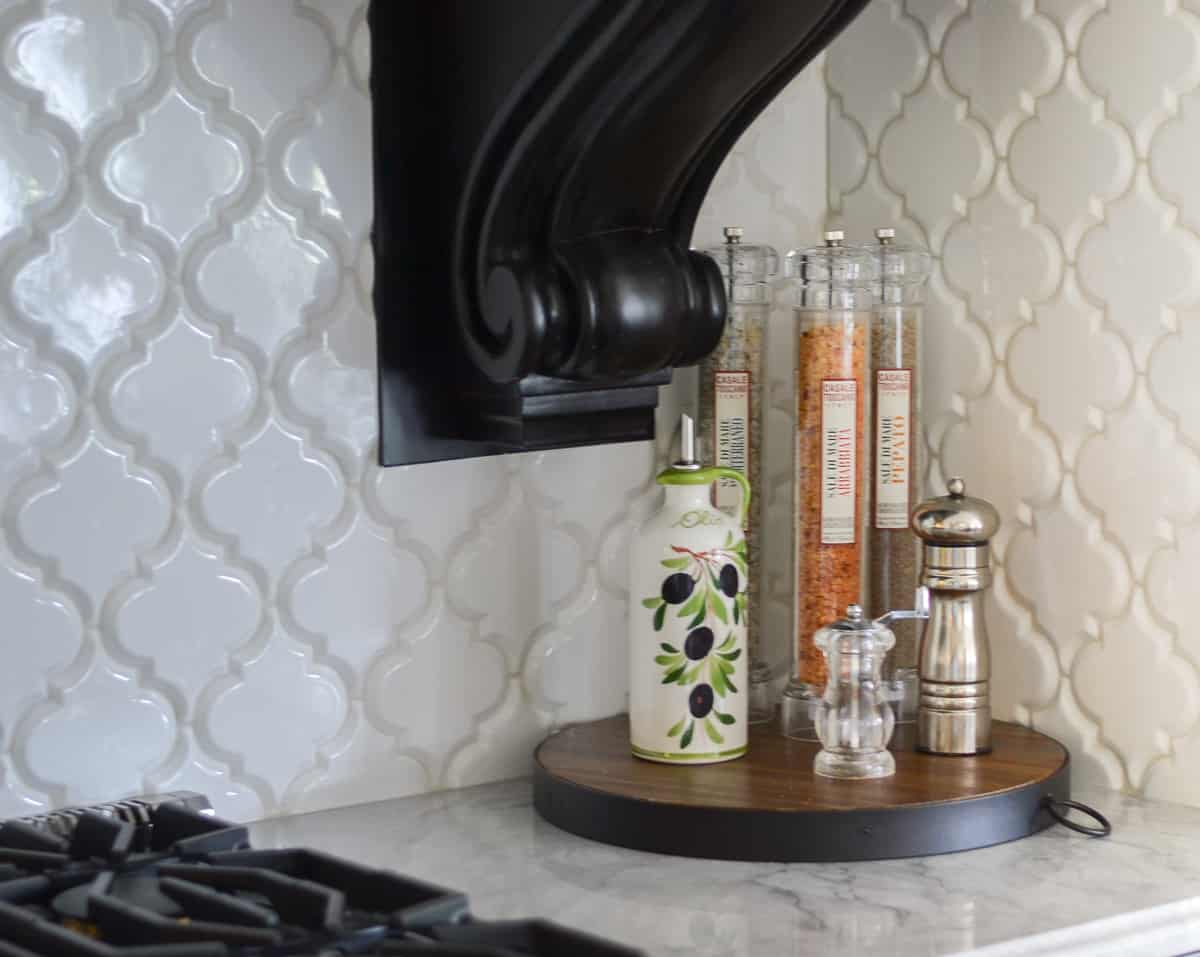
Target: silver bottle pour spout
{"x":954,"y":713}
{"x":687,"y":445}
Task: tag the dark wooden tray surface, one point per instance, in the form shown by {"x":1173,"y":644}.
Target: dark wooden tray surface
{"x":769,"y":805}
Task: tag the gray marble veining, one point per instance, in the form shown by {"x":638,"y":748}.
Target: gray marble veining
{"x":489,"y":842}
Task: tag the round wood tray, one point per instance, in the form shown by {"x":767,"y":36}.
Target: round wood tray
{"x":769,"y":806}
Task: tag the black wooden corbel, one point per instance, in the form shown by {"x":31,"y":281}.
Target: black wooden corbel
{"x":539,"y":165}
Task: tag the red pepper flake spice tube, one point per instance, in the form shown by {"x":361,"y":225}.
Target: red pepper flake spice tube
{"x":834,"y":298}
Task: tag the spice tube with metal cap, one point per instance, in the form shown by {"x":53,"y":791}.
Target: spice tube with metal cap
{"x":954,"y":714}
{"x":834,"y":292}
{"x":731,"y":426}
{"x":897,"y":455}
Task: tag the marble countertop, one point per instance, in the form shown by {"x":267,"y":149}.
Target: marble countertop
{"x":1056,"y":893}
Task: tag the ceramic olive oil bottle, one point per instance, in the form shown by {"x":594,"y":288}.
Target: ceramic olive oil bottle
{"x":687,"y":620}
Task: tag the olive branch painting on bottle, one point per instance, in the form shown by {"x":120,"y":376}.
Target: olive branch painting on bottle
{"x":708,"y":589}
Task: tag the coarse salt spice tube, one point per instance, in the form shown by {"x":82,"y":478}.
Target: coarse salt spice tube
{"x":834,"y":287}
{"x":731,"y":424}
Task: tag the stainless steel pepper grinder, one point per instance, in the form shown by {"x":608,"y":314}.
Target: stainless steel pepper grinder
{"x":954,"y":712}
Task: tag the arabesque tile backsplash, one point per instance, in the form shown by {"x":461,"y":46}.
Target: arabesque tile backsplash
{"x":1046,"y":152}
{"x":207,"y":582}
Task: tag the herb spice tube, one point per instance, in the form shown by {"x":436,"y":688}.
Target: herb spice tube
{"x":834,"y":294}
{"x":731,"y":426}
{"x":897,"y":459}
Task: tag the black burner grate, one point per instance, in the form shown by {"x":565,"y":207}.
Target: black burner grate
{"x":178,"y":883}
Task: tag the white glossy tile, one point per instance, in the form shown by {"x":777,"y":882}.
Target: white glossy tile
{"x":1094,"y":158}
{"x":176,"y":168}
{"x":880,"y":60}
{"x":87,"y":520}
{"x":274,"y":712}
{"x":32,"y":168}
{"x":263,"y":274}
{"x":84,"y":57}
{"x":1072,"y":398}
{"x":182,"y":421}
{"x":936,"y":183}
{"x":1139,"y":56}
{"x":85,"y":290}
{"x":1142,"y":265}
{"x":1143,"y":694}
{"x":271,"y":499}
{"x":265,"y":56}
{"x":362,"y":593}
{"x":1001,"y":261}
{"x":1140,"y":478}
{"x":130,"y":732}
{"x":407,"y":691}
{"x":213,"y":609}
{"x":1001,"y":57}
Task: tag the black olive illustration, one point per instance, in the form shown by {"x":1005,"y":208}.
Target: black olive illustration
{"x":729,"y":580}
{"x":676,"y":588}
{"x":700,"y":701}
{"x":698,"y":643}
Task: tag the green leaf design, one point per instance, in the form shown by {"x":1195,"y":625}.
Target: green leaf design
{"x":725,"y":718}
{"x":687,"y":736}
{"x":671,"y":660}
{"x":652,"y":602}
{"x":714,"y":735}
{"x":729,"y":684}
{"x":697,"y":621}
{"x":659,"y":617}
{"x":712,"y":577}
{"x":693,"y":604}
{"x":676,"y":727}
{"x":737,"y":611}
{"x":717,"y":676}
{"x":729,"y":539}
{"x":731,"y":655}
{"x":718,"y":608}
{"x":683,"y":678}
{"x":673,"y":650}
{"x":727,"y":668}
{"x":726,"y":644}
{"x":673,"y":675}
{"x":692,"y":676}
{"x":680,"y":563}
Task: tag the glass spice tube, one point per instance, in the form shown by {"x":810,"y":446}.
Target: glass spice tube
{"x":731,"y":427}
{"x":835,"y":290}
{"x":893,"y":564}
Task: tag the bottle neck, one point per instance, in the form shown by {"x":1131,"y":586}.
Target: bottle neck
{"x":688,"y":496}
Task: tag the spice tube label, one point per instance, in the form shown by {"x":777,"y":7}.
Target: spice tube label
{"x":893,"y":446}
{"x":839,"y":460}
{"x":731,"y":439}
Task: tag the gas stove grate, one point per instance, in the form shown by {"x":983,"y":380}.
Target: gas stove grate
{"x":181,"y":883}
